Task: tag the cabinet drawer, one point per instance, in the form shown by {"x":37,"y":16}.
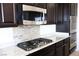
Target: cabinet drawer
{"x":48,"y":51}
{"x":60,"y":50}
{"x":59,"y":44}
{"x":67,"y":40}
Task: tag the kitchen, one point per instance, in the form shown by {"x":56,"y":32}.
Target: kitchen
{"x":38,"y":29}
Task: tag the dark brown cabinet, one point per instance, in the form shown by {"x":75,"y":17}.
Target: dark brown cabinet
{"x":48,"y":51}
{"x":60,"y":48}
{"x":69,"y":23}
{"x":67,"y":46}
{"x":7,"y":12}
{"x":59,"y":13}
{"x":18,"y":13}
{"x":55,"y":13}
{"x":0,"y":14}
{"x":51,"y":13}
{"x":69,"y":10}
{"x":60,"y":51}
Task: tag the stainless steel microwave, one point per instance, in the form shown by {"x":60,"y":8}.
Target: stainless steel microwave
{"x":32,"y":15}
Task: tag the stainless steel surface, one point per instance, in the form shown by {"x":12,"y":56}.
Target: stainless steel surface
{"x":33,"y":8}
{"x":72,"y":37}
{"x":73,"y":45}
{"x":38,"y":20}
{"x":73,"y":22}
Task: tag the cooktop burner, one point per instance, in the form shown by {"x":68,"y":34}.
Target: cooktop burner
{"x":32,"y":44}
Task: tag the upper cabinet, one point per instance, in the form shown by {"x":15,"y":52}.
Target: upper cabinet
{"x":51,"y":13}
{"x":0,"y":14}
{"x":7,"y":15}
{"x":66,"y":12}
{"x":57,"y":13}
{"x":18,"y":13}
{"x":69,"y":17}
{"x":54,"y":13}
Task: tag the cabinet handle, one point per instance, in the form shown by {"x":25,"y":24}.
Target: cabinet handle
{"x":2,"y":10}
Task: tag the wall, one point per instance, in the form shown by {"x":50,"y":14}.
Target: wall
{"x":6,"y":37}
{"x":47,"y":30}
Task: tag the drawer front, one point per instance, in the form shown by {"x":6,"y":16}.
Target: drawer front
{"x":73,"y":37}
{"x":67,"y":40}
{"x":59,"y":44}
{"x":60,"y":50}
{"x":48,"y":51}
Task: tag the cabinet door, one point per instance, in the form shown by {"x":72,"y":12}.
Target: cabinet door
{"x":65,"y":27}
{"x":65,"y":22}
{"x":8,"y":11}
{"x":67,"y":46}
{"x":60,"y":50}
{"x":51,"y":13}
{"x":66,"y":50}
{"x":8,"y":15}
{"x":41,"y":5}
{"x":59,"y":13}
{"x":18,"y":13}
{"x":66,"y":12}
{"x":48,"y":51}
{"x":51,"y":50}
{"x":0,"y":14}
{"x":55,"y":13}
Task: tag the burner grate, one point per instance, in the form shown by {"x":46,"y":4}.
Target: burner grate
{"x":32,"y":44}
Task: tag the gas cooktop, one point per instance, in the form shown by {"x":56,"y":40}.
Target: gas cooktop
{"x":32,"y":44}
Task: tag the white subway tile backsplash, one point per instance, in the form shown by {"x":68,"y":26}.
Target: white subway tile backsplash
{"x":47,"y":30}
{"x":26,"y":33}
